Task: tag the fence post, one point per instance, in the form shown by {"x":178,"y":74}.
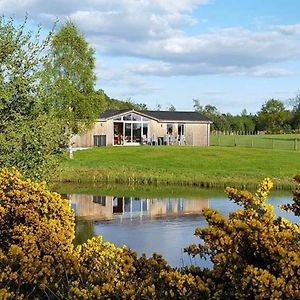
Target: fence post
{"x":295,"y":144}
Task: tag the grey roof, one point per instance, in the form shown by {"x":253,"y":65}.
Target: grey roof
{"x":176,"y":115}
{"x":161,"y":115}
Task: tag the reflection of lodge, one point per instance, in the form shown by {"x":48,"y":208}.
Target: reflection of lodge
{"x":108,"y":207}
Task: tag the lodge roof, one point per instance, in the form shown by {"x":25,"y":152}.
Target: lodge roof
{"x":160,"y":115}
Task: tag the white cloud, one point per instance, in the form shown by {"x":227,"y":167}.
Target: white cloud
{"x":271,"y":72}
{"x":155,"y":31}
{"x":127,"y":84}
{"x":16,"y":7}
{"x":293,"y":29}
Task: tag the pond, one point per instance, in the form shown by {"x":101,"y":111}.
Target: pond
{"x":153,"y":224}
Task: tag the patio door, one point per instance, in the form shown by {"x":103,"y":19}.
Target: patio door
{"x":118,"y":133}
{"x":128,"y":132}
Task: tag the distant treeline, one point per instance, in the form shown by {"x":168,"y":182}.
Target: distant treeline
{"x":273,"y":117}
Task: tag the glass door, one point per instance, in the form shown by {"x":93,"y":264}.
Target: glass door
{"x":128,"y":132}
{"x":136,"y":133}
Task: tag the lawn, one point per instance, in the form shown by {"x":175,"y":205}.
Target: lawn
{"x":209,"y":167}
{"x":265,"y":141}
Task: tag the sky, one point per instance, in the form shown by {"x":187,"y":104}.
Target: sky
{"x":233,"y":54}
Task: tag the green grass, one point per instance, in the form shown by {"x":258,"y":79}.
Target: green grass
{"x":146,"y":191}
{"x":206,"y":167}
{"x":265,"y":141}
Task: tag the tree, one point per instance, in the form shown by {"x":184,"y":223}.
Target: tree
{"x":295,"y":121}
{"x":172,"y":108}
{"x":140,"y":106}
{"x":29,"y":136}
{"x":158,"y":107}
{"x":197,"y":106}
{"x":273,"y":116}
{"x":69,"y":80}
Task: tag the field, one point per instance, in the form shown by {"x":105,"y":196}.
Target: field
{"x":174,"y":165}
{"x":264,"y":141}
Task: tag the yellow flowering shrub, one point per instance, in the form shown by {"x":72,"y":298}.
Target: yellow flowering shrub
{"x":36,"y":233}
{"x":295,"y":206}
{"x":38,"y":260}
{"x":255,"y":254}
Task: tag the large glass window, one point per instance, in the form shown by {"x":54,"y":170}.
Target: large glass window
{"x":128,"y":130}
{"x":136,"y":118}
{"x":136,"y":133}
{"x":131,"y":129}
{"x":127,"y":117}
{"x":118,"y":133}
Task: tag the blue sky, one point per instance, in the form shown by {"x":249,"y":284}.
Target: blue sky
{"x":229,"y":53}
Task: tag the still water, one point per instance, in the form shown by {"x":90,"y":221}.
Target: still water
{"x":164,"y":225}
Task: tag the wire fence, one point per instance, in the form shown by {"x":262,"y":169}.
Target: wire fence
{"x":256,"y":141}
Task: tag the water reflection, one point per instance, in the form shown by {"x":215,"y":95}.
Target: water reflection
{"x":163,"y":225}
{"x":100,"y":208}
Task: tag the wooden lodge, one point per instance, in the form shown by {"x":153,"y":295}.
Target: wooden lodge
{"x":131,"y":127}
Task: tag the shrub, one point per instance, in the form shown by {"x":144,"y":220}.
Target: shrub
{"x":255,"y":254}
{"x":38,"y":260}
{"x":37,"y":229}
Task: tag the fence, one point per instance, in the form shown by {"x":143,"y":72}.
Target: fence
{"x":256,"y":141}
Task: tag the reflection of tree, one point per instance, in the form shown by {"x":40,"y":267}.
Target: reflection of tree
{"x":84,"y":230}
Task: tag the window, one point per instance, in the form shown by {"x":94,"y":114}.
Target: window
{"x":169,"y":128}
{"x":99,"y":140}
{"x":131,"y":129}
{"x":136,"y":117}
{"x":180,"y":129}
{"x":100,"y":200}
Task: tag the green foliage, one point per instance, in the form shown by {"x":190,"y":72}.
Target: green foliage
{"x":69,"y":80}
{"x":29,"y":137}
{"x":111,"y":103}
{"x":21,"y":55}
{"x":295,"y":206}
{"x":32,"y":146}
{"x":172,"y":108}
{"x":295,"y":121}
{"x":273,"y":116}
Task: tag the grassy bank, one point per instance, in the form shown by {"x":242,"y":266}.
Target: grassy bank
{"x":205,"y":167}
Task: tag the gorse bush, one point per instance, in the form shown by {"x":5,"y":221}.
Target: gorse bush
{"x":255,"y":254}
{"x":37,"y":229}
{"x":38,"y":260}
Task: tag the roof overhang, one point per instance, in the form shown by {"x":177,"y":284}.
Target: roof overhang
{"x":123,"y":113}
